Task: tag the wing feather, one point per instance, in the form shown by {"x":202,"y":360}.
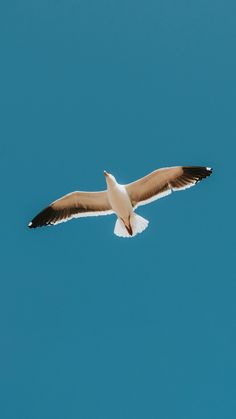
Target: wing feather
{"x":162,"y":182}
{"x":73,"y":205}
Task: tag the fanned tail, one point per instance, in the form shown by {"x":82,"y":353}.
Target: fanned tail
{"x":138,"y":225}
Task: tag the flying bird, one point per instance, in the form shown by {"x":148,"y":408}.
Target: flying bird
{"x":122,"y":200}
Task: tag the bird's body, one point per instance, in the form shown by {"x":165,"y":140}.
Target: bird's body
{"x":122,"y":199}
{"x":120,"y":202}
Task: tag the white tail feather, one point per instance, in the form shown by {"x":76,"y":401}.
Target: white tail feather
{"x":120,"y":229}
{"x":138,"y":224}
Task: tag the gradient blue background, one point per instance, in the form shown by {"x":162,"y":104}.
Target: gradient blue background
{"x":93,"y":326}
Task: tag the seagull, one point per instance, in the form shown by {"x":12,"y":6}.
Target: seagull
{"x":122,"y":200}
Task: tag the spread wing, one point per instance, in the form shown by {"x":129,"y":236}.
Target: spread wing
{"x":73,"y":205}
{"x":162,"y":182}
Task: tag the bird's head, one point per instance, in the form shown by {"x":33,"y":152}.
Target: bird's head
{"x":110,"y":179}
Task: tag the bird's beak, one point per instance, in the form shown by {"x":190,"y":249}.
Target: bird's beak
{"x":106,"y":173}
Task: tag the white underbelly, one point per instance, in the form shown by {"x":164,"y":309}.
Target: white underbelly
{"x":120,"y":201}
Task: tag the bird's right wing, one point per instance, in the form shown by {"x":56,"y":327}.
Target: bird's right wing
{"x":73,"y":205}
{"x":162,"y":182}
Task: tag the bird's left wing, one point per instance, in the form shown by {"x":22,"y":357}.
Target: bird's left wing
{"x":162,"y":182}
{"x":73,"y":205}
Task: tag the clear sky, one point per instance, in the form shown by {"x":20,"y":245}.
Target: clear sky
{"x":93,"y":326}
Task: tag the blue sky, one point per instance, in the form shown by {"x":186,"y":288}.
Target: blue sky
{"x":94,"y":326}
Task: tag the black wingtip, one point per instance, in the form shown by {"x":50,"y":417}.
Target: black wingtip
{"x":44,"y":218}
{"x":33,"y":225}
{"x":198,"y":172}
